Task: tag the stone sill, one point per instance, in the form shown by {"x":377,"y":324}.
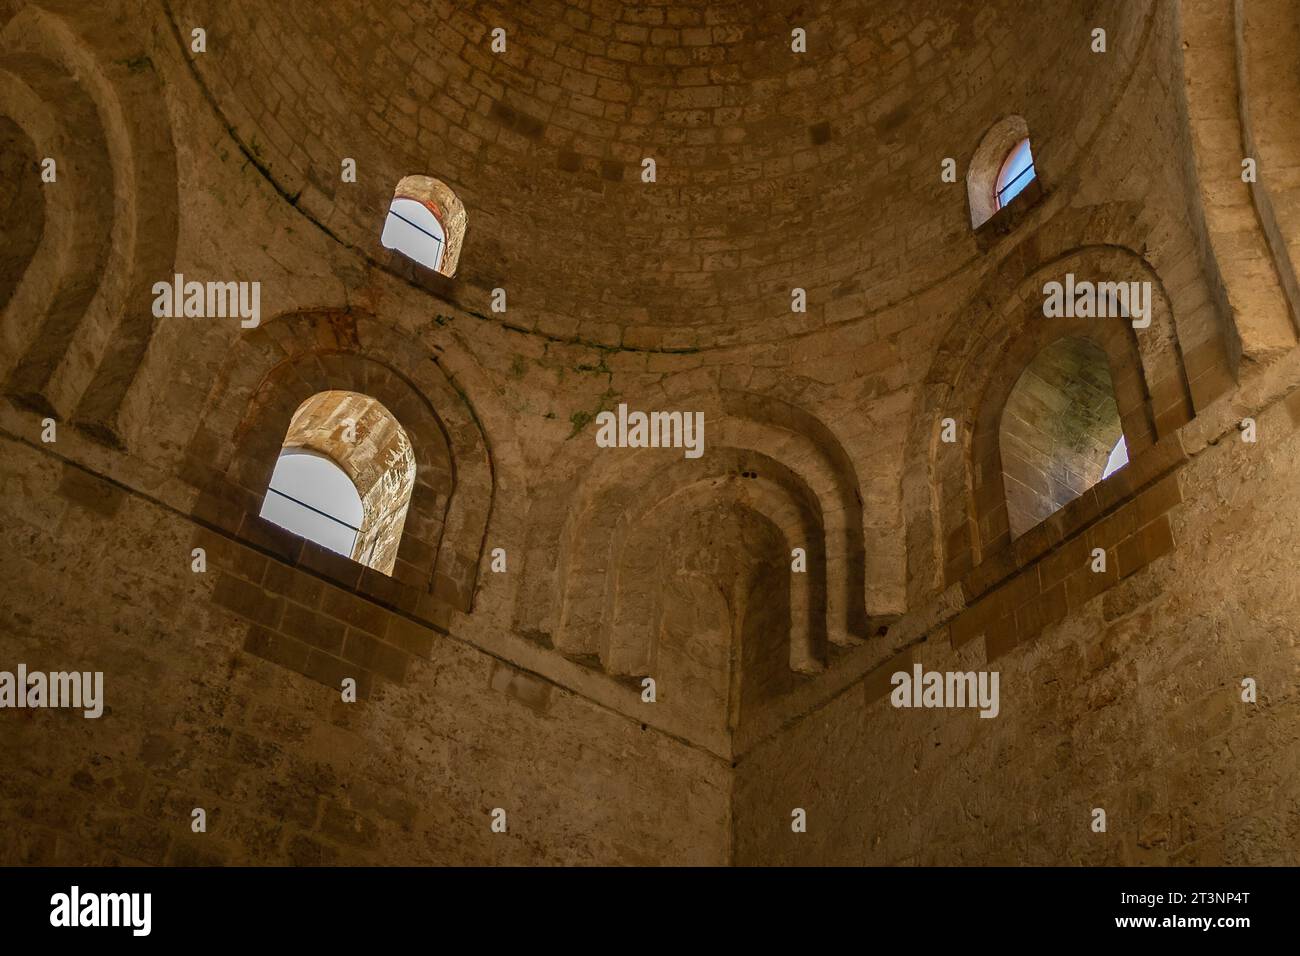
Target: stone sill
{"x":1010,"y":217}
{"x":1075,"y":518}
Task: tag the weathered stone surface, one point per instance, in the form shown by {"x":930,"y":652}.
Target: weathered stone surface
{"x":857,"y":509}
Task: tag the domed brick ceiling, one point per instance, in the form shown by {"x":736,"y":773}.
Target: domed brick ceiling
{"x":774,"y":169}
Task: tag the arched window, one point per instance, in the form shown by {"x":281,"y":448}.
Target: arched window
{"x":1017,"y":172}
{"x":426,"y":223}
{"x":344,"y":478}
{"x":1060,"y":431}
{"x":1001,"y":168}
{"x":414,"y":231}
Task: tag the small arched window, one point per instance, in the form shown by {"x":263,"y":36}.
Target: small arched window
{"x":1001,"y":168}
{"x":1060,"y":431}
{"x":1017,"y":172}
{"x":344,"y":478}
{"x":426,"y":223}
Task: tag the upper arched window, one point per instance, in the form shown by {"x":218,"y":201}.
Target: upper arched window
{"x":1017,"y":172}
{"x":1001,"y":168}
{"x":426,"y":223}
{"x":1060,"y":431}
{"x":344,"y":478}
{"x":413,"y":230}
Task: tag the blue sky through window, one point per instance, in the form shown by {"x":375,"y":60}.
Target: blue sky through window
{"x":1017,"y":172}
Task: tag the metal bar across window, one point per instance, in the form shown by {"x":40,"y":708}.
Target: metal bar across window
{"x":437,"y":239}
{"x":1002,"y":191}
{"x":323,"y":514}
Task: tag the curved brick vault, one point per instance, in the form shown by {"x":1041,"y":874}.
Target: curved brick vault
{"x":539,"y":578}
{"x":545,"y":145}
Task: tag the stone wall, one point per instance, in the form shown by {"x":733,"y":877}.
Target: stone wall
{"x":518,"y":683}
{"x":206,"y":708}
{"x":1129,"y":700}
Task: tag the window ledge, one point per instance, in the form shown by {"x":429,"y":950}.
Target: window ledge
{"x":1007,"y":219}
{"x":1075,"y":518}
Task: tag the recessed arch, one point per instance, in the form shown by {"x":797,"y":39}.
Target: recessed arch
{"x":270,"y":374}
{"x":955,"y":490}
{"x":84,"y":345}
{"x":22,"y":208}
{"x":815,"y":469}
{"x":605,"y":608}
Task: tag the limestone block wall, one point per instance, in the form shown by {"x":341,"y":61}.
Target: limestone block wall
{"x":206,"y":708}
{"x":521,"y":688}
{"x":1129,"y":700}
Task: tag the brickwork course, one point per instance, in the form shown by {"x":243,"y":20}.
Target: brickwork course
{"x":817,"y":266}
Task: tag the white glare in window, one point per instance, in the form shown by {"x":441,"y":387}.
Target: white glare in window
{"x":312,"y":497}
{"x":413,"y":230}
{"x":1118,"y":458}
